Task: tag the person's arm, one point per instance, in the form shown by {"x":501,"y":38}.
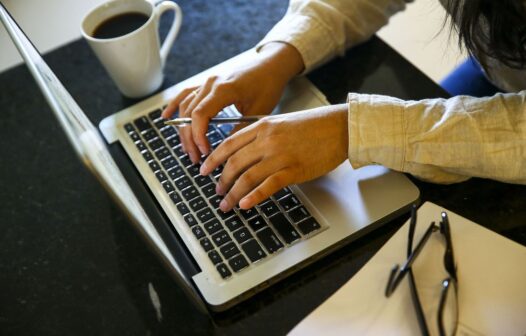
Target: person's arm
{"x":441,"y":140}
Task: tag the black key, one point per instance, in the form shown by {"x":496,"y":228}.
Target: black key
{"x":154,"y":165}
{"x":221,"y":238}
{"x":135,"y":136}
{"x":257,"y":223}
{"x":225,"y":128}
{"x":247,"y":214}
{"x":242,"y":235}
{"x":140,"y":145}
{"x":168,"y":186}
{"x":185,"y":161}
{"x":269,"y":240}
{"x":175,"y":197}
{"x":160,"y":176}
{"x":198,"y":232}
{"x":206,"y":244}
{"x":217,"y":172}
{"x":149,"y":135}
{"x":182,"y":183}
{"x":202,"y":180}
{"x":225,"y":215}
{"x":214,"y":257}
{"x":169,"y":162}
{"x":229,"y":250}
{"x":284,"y":228}
{"x":214,"y":201}
{"x":212,"y":226}
{"x":205,"y":215}
{"x":269,"y":208}
{"x":162,"y":153}
{"x":209,"y":190}
{"x":238,"y":263}
{"x":309,"y":225}
{"x":190,"y":193}
{"x":223,"y":271}
{"x":147,"y":155}
{"x":183,"y":209}
{"x":168,"y":131}
{"x":214,"y":137}
{"x":299,"y":214}
{"x":190,"y":220}
{"x":234,"y":223}
{"x":193,"y":170}
{"x":159,"y":123}
{"x":142,"y":124}
{"x":197,"y":203}
{"x":253,"y":251}
{"x":176,"y":172}
{"x":174,"y":141}
{"x":282,"y":193}
{"x":289,"y":202}
{"x":155,"y":144}
{"x":178,"y":151}
{"x":155,"y":114}
{"x":129,"y":127}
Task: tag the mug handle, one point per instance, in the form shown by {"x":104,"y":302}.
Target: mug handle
{"x":174,"y":29}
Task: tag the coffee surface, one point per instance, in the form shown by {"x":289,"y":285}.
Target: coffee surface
{"x":120,"y":25}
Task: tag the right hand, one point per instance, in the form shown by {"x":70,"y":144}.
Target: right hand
{"x":254,"y":89}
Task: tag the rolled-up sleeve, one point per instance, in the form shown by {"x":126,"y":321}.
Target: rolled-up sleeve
{"x":323,"y":29}
{"x":441,"y":140}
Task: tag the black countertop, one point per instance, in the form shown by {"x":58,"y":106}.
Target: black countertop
{"x":70,"y":263}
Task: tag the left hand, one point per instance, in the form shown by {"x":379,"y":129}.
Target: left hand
{"x":277,"y":151}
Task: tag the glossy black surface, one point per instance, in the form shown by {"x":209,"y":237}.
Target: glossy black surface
{"x":71,"y":264}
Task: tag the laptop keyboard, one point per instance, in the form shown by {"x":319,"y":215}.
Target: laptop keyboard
{"x":232,"y":240}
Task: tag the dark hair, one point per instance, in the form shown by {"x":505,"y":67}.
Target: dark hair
{"x":495,"y":28}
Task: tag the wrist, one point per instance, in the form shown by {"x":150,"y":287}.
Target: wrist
{"x":282,"y":59}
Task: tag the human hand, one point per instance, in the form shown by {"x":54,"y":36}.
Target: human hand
{"x":277,"y":151}
{"x":254,"y":89}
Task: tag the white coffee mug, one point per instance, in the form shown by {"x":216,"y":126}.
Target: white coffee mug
{"x":134,"y":61}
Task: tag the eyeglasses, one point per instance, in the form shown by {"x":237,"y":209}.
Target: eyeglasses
{"x":447,"y":315}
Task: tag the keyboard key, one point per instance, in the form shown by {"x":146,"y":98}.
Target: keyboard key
{"x":162,"y":153}
{"x":253,"y":250}
{"x":234,"y":223}
{"x":190,"y":220}
{"x":155,"y":115}
{"x":202,"y":180}
{"x":169,"y":162}
{"x":206,"y":244}
{"x":288,"y":202}
{"x":214,"y":201}
{"x":309,"y":225}
{"x":269,"y":208}
{"x":193,"y":170}
{"x":212,"y":226}
{"x":174,"y":141}
{"x":229,"y":250}
{"x":269,"y":240}
{"x":238,"y":263}
{"x":147,"y":155}
{"x":217,"y":172}
{"x":183,"y":183}
{"x":247,"y":214}
{"x":198,"y":232}
{"x":149,"y":135}
{"x":168,"y":132}
{"x":178,"y":151}
{"x":185,"y":161}
{"x":176,"y":172}
{"x":209,"y":190}
{"x":214,"y":137}
{"x":284,"y":228}
{"x":205,"y":215}
{"x":190,"y":193}
{"x":175,"y":197}
{"x":197,"y":203}
{"x":225,"y":215}
{"x":135,"y":136}
{"x":159,"y":123}
{"x":257,"y":223}
{"x":140,"y":145}
{"x":129,"y":127}
{"x":168,"y":186}
{"x":299,"y":214}
{"x":142,"y":124}
{"x":214,"y":257}
{"x":154,"y":165}
{"x":242,"y":235}
{"x":155,"y":144}
{"x":160,"y":176}
{"x":183,"y":209}
{"x":282,"y":193}
{"x":223,"y":271}
{"x":220,"y":238}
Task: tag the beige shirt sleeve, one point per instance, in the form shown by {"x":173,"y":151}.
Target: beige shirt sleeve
{"x":323,"y":29}
{"x":441,"y":140}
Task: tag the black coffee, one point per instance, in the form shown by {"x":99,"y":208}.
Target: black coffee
{"x":120,"y":25}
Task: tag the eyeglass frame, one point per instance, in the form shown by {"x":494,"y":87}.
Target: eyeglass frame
{"x":398,"y":273}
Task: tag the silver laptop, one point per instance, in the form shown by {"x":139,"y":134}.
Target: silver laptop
{"x":218,"y":258}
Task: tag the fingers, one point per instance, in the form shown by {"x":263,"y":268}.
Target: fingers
{"x":174,"y":104}
{"x":267,"y":188}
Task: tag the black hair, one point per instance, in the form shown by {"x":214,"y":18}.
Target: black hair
{"x":495,"y":28}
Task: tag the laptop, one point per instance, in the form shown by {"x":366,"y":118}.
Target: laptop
{"x":219,"y":259}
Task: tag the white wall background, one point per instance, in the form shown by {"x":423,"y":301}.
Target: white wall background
{"x":52,"y":23}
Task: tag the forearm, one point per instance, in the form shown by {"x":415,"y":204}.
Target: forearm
{"x":282,"y":60}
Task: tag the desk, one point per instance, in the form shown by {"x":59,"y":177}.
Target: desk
{"x":70,"y":263}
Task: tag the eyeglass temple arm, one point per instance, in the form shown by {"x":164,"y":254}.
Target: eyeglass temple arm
{"x":449,"y":256}
{"x":398,"y":273}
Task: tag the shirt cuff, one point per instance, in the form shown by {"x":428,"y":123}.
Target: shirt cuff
{"x":376,"y":131}
{"x":292,"y":30}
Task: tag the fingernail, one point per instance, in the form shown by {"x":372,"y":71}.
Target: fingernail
{"x":219,"y":190}
{"x":204,"y":169}
{"x":245,"y":203}
{"x":223,"y":205}
{"x":202,"y":149}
